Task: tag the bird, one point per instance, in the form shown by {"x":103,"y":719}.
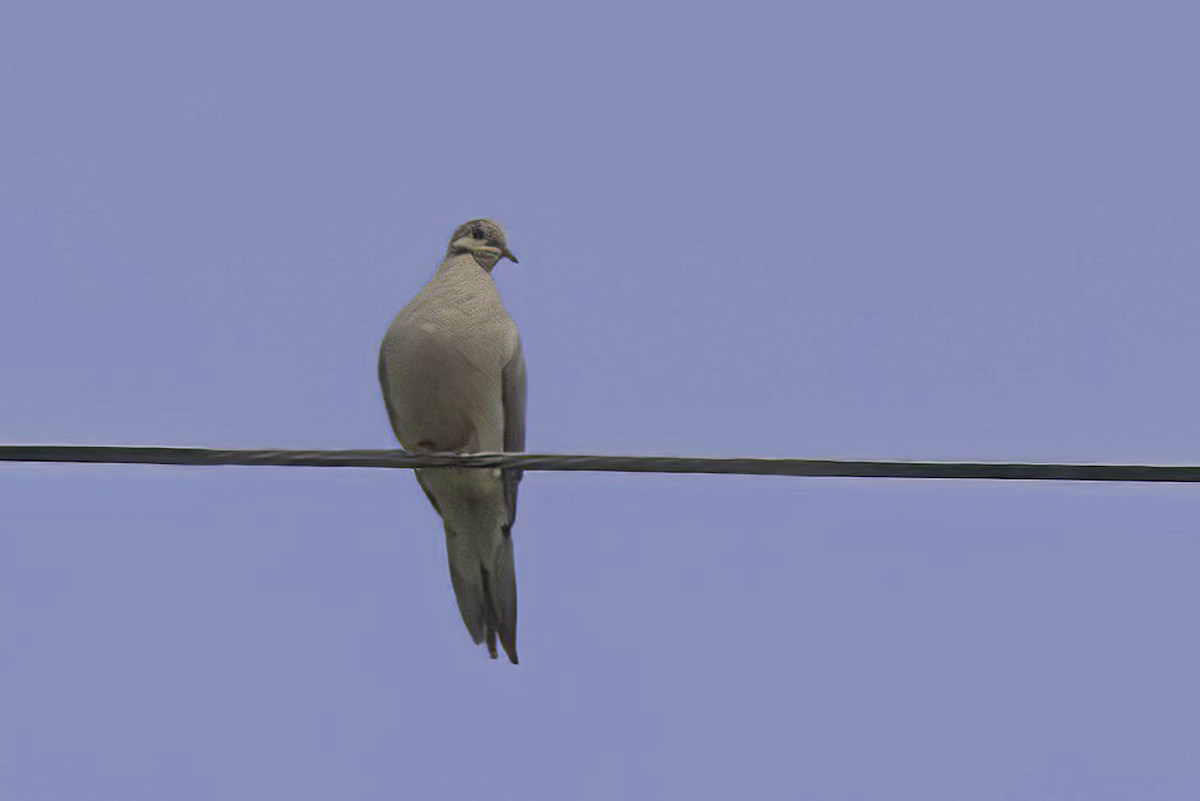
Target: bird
{"x":453,"y":380}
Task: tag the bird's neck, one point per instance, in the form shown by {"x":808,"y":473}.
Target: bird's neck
{"x":464,"y":262}
{"x":485,"y":257}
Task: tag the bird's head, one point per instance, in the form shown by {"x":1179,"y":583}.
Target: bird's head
{"x":483,"y":239}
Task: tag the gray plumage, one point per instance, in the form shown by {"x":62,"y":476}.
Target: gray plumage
{"x":453,"y":379}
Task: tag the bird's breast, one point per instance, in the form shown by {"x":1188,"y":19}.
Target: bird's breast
{"x":444,"y":382}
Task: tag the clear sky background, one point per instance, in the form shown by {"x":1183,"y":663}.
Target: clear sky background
{"x":885,"y":230}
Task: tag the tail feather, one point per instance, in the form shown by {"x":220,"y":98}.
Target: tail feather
{"x":468,"y":588}
{"x":487,"y":600}
{"x":500,"y":588}
{"x":491,"y":641}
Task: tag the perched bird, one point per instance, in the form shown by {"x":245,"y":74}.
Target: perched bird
{"x":453,"y":379}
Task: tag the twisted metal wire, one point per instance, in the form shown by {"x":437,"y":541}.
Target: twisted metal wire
{"x":111,"y":454}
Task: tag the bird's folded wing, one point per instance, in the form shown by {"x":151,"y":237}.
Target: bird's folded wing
{"x":513,"y":398}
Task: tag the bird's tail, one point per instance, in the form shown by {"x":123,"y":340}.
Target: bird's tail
{"x":487,"y":600}
{"x":500,"y":590}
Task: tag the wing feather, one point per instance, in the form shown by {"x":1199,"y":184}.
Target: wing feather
{"x":513,"y":398}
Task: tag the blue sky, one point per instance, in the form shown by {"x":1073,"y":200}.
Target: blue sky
{"x":864,"y":230}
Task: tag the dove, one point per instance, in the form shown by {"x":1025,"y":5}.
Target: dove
{"x":453,"y":380}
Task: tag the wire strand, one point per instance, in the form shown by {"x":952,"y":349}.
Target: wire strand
{"x":113,"y":454}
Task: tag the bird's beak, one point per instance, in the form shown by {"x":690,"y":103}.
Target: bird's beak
{"x":506,"y":253}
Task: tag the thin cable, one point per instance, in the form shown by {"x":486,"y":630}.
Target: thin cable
{"x":108,"y":454}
